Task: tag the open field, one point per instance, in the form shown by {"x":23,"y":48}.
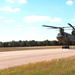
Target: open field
{"x":16,"y":58}
{"x":27,"y":48}
{"x":2,"y":49}
{"x":64,"y":66}
{"x":49,"y":55}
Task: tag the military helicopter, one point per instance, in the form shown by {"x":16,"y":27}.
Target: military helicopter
{"x":64,"y":37}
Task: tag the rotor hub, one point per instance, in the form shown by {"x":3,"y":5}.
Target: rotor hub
{"x":61,"y":30}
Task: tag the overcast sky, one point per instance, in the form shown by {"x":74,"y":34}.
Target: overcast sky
{"x":23,"y":19}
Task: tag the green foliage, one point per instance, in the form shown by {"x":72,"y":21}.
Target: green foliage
{"x":29,"y":43}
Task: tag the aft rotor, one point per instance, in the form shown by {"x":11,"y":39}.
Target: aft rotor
{"x":73,"y":31}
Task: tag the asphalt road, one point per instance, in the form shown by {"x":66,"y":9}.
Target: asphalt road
{"x":15,"y":58}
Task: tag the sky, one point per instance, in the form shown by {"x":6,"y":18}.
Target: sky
{"x":23,"y":19}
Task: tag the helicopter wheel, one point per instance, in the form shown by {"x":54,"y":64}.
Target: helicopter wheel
{"x":65,"y":47}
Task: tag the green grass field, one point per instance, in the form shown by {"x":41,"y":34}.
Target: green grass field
{"x":64,"y":66}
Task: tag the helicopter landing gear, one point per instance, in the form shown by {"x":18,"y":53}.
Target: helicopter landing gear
{"x":65,"y":47}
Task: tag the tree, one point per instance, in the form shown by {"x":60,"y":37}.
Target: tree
{"x":1,"y":44}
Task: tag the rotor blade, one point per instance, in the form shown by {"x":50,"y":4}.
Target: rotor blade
{"x":68,"y":29}
{"x":51,"y":26}
{"x":54,"y":27}
{"x":71,"y":25}
{"x":65,"y":27}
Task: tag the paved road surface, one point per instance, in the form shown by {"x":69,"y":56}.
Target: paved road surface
{"x":15,"y":58}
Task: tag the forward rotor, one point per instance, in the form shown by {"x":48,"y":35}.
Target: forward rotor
{"x":54,"y":27}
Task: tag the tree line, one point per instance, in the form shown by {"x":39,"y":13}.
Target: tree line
{"x":30,"y":43}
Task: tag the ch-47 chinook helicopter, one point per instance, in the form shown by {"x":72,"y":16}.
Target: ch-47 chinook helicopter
{"x":64,"y":37}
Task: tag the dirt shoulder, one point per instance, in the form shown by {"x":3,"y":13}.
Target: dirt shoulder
{"x":2,"y":49}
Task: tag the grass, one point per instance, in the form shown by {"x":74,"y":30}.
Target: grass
{"x":65,"y":66}
{"x":2,"y":49}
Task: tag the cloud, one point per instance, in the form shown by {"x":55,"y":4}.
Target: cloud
{"x":33,"y":19}
{"x":18,"y":27}
{"x":56,"y":19}
{"x":73,"y":20}
{"x":69,"y":2}
{"x":10,"y":21}
{"x":36,"y":18}
{"x":10,"y":1}
{"x":9,"y":9}
{"x":22,"y":1}
{"x":1,"y":17}
{"x":32,"y":28}
{"x":17,"y":1}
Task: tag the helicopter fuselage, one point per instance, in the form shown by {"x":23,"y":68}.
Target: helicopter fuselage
{"x":66,"y":38}
{"x":63,"y":36}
